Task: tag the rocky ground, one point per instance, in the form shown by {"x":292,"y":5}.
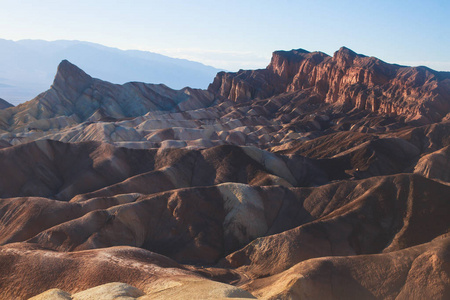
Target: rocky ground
{"x":316,"y":178}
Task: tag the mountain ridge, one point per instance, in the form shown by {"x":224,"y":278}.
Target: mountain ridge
{"x":75,"y":97}
{"x":346,"y":78}
{"x":28,"y":66}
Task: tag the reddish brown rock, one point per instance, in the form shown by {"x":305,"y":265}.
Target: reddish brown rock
{"x":41,"y":168}
{"x":362,"y":217}
{"x":418,"y":93}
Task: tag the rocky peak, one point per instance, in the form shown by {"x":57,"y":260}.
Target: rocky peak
{"x":293,"y":55}
{"x":70,"y":79}
{"x":344,"y":57}
{"x":76,"y":97}
{"x":285,"y":63}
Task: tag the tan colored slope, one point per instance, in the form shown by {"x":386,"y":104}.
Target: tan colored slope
{"x":369,"y":216}
{"x":420,"y":272}
{"x":29,"y":271}
{"x":326,"y":146}
{"x":188,"y":289}
{"x":435,"y":165}
{"x":152,"y":131}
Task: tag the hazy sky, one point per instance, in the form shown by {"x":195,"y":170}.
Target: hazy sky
{"x":242,"y":34}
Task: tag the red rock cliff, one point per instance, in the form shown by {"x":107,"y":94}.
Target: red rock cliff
{"x":362,"y":82}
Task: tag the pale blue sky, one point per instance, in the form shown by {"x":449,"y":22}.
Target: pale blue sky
{"x":242,"y":34}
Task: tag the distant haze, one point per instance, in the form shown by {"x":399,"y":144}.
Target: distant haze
{"x":29,"y":66}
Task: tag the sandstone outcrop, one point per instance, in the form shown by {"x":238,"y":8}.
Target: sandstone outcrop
{"x":418,"y":93}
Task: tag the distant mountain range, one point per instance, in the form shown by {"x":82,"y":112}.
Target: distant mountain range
{"x":27,"y":67}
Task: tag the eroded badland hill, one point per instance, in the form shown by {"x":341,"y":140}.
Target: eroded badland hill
{"x":319,"y":177}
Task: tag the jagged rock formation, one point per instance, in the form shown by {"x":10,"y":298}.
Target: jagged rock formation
{"x":77,"y":97}
{"x":347,"y":78}
{"x":316,"y":178}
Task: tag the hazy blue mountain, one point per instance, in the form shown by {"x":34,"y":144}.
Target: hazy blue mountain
{"x":27,"y":67}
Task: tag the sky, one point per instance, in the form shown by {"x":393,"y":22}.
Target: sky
{"x":235,"y":35}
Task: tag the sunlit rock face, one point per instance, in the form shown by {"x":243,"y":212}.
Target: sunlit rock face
{"x":358,"y":81}
{"x":316,"y":178}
